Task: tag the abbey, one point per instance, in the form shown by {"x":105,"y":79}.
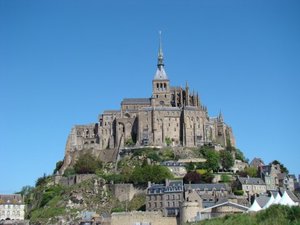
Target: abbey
{"x":172,"y":115}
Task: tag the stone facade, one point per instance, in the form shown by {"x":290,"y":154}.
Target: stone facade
{"x":12,"y":207}
{"x":165,"y":198}
{"x":206,"y":195}
{"x":172,"y":115}
{"x":251,"y":185}
{"x":142,"y":218}
{"x":125,"y":192}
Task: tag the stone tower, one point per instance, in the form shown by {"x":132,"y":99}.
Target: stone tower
{"x":161,"y":94}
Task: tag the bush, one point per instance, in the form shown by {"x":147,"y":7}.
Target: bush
{"x":192,"y":177}
{"x":49,"y":194}
{"x":129,"y":143}
{"x":58,"y":166}
{"x":69,"y":172}
{"x":86,"y":164}
{"x":153,"y":173}
{"x":226,"y":159}
{"x":225,"y":178}
{"x":212,"y":158}
{"x":238,"y":192}
{"x":41,"y":180}
{"x":168,"y":141}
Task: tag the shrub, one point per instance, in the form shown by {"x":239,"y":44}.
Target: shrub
{"x":225,"y":178}
{"x":192,"y":177}
{"x":168,"y":141}
{"x":129,"y":143}
{"x":41,"y":180}
{"x":86,"y":164}
{"x":69,"y":172}
{"x":238,"y":192}
{"x":153,"y":173}
{"x":58,"y":166}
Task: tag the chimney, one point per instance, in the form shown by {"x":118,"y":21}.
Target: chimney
{"x":167,"y":182}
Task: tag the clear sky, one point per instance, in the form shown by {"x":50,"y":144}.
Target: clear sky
{"x":62,"y":62}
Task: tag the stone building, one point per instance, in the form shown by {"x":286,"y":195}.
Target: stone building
{"x":12,"y":207}
{"x":269,"y":173}
{"x":206,"y":195}
{"x":165,"y":198}
{"x":251,"y":185}
{"x":172,"y":115}
{"x":142,"y":218}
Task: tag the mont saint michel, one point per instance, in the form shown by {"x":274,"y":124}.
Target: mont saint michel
{"x":172,"y":115}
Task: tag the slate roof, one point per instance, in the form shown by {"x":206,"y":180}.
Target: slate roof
{"x":136,"y":101}
{"x":242,"y":207}
{"x":173,"y":186}
{"x":251,"y":180}
{"x":172,"y":163}
{"x":161,"y":74}
{"x":111,"y":111}
{"x":11,"y":199}
{"x":262,"y":200}
{"x":162,"y":108}
{"x":208,"y":187}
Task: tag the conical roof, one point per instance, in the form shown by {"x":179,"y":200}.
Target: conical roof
{"x":160,"y":74}
{"x":254,"y":207}
{"x":270,"y":202}
{"x":286,"y":200}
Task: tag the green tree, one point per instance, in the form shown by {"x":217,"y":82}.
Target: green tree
{"x":41,"y":180}
{"x":239,"y":155}
{"x":282,"y":167}
{"x":86,"y":163}
{"x":212,"y":158}
{"x":251,"y":171}
{"x":190,"y":166}
{"x":58,"y":166}
{"x":153,"y":173}
{"x":192,"y":177}
{"x":226,"y":159}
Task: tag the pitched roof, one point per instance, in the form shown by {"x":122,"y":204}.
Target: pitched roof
{"x":270,"y":202}
{"x":11,"y":199}
{"x":262,"y":200}
{"x":242,"y":207}
{"x":209,"y":187}
{"x":136,"y":101}
{"x":251,"y":180}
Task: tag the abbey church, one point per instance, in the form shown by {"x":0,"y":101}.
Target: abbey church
{"x":171,"y":115}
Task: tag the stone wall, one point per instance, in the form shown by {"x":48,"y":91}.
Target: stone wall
{"x":124,"y":192}
{"x":71,"y":180}
{"x":145,"y":218}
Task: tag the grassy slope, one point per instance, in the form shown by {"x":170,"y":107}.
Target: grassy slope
{"x":275,"y":215}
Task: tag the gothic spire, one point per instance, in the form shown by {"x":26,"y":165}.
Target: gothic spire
{"x":220,"y":116}
{"x":160,"y":72}
{"x":160,"y":62}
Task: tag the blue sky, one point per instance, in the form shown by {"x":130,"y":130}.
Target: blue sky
{"x":63,"y":62}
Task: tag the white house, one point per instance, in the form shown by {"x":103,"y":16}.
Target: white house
{"x":12,"y":207}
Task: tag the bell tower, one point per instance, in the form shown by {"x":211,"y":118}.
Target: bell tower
{"x":161,"y":94}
